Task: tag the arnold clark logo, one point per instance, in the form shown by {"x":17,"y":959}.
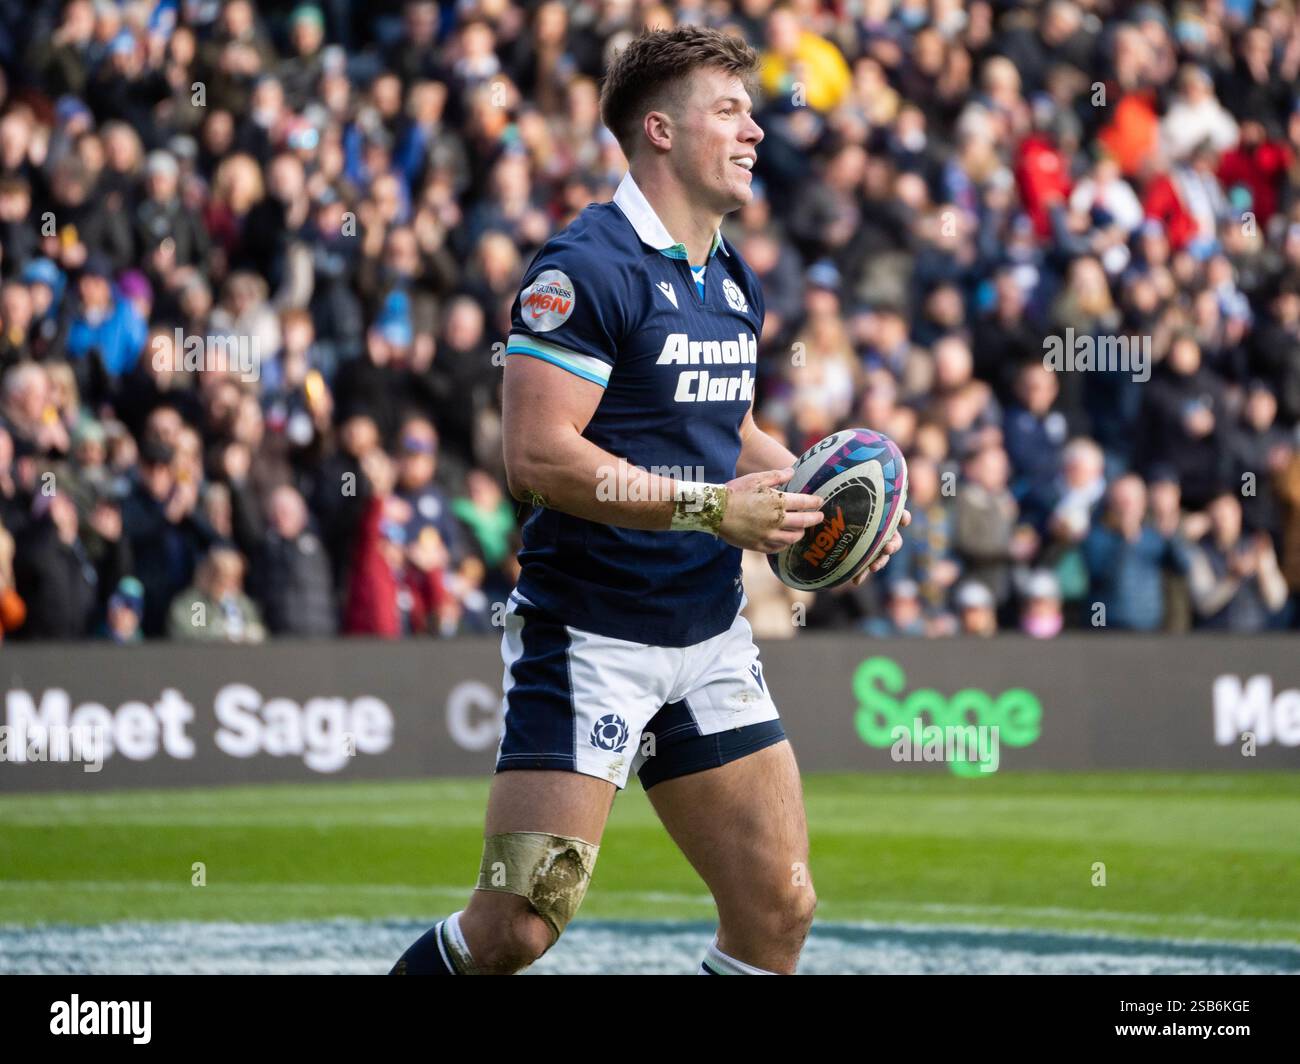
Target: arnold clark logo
{"x":965,"y":729}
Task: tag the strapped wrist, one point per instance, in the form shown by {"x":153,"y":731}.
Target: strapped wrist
{"x":698,"y":507}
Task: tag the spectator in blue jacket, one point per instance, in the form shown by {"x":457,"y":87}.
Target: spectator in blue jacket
{"x":105,"y":321}
{"x":1035,"y":433}
{"x":1125,"y":558}
{"x":167,"y":532}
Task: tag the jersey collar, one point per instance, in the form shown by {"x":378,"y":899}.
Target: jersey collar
{"x":629,"y":198}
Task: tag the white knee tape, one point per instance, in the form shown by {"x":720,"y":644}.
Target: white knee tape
{"x":551,"y":871}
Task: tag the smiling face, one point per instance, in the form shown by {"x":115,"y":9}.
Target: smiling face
{"x":715,"y":139}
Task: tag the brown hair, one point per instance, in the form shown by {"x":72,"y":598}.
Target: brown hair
{"x":655,"y":67}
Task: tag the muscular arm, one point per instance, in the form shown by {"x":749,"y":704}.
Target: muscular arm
{"x":545,"y":410}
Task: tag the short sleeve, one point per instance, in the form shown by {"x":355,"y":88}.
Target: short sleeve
{"x":567,"y":314}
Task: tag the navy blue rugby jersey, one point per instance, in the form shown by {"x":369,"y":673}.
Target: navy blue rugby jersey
{"x":613,"y":299}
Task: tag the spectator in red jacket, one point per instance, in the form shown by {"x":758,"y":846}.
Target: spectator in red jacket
{"x":1134,"y":133}
{"x":1259,"y":163}
{"x":396,"y":588}
{"x":1189,"y":201}
{"x":1043,"y":176}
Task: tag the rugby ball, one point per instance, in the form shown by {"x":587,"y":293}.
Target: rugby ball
{"x":862,"y":478}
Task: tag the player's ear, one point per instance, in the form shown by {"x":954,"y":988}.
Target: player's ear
{"x":658,"y":128}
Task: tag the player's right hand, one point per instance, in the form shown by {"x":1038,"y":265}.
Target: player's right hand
{"x":759,"y":517}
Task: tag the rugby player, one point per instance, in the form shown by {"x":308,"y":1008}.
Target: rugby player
{"x":629,"y":385}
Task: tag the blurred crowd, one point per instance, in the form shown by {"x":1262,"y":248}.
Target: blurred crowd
{"x":257,"y":262}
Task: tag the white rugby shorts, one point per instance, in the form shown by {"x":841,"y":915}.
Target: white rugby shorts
{"x":582,"y":702}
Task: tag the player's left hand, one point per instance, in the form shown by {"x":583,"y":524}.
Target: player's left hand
{"x":892,"y":547}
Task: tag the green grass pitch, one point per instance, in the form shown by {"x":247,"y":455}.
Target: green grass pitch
{"x":1186,"y":856}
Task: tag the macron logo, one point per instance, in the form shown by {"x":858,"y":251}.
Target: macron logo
{"x":102,"y":1017}
{"x":667,"y":290}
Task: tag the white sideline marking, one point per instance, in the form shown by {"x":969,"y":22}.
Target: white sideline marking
{"x":349,"y":946}
{"x":104,"y":886}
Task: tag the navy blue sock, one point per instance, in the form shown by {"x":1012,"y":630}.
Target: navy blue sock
{"x":427,"y":956}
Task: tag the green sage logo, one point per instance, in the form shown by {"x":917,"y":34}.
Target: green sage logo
{"x":885,"y":716}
